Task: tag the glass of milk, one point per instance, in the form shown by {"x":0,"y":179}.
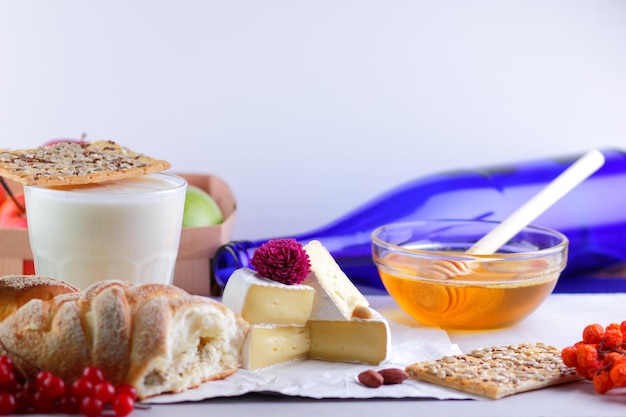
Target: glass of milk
{"x":125,"y":229}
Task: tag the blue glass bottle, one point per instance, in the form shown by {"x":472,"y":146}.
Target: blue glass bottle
{"x":592,"y":216}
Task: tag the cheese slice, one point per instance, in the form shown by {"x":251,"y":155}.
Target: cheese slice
{"x":269,"y":345}
{"x":366,"y":341}
{"x":261,"y":300}
{"x":335,"y":295}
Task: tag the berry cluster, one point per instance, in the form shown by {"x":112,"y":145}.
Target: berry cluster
{"x":48,"y":393}
{"x":600,"y":356}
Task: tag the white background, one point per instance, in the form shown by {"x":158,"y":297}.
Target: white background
{"x":310,"y":108}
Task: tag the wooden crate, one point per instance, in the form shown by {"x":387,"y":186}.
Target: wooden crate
{"x":197,"y":244}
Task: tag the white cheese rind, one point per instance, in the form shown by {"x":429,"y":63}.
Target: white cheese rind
{"x":365,"y":341}
{"x":261,"y":300}
{"x":271,"y":345}
{"x":335,"y":295}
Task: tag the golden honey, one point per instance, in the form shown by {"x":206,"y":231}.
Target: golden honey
{"x":493,"y":295}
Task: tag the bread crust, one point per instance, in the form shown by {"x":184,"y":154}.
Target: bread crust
{"x":17,"y":290}
{"x":155,"y":337}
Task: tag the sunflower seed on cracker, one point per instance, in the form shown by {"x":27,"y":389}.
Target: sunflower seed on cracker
{"x":498,"y":371}
{"x":67,"y":163}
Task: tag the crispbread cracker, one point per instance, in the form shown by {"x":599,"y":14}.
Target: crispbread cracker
{"x":498,"y":371}
{"x":68,"y":163}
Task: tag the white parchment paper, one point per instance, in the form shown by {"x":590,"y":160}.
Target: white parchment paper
{"x":411,"y":343}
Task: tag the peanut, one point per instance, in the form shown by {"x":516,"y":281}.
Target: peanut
{"x":388,"y":376}
{"x":393,"y":375}
{"x":371,"y":378}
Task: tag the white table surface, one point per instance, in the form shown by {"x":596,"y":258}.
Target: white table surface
{"x":559,"y":321}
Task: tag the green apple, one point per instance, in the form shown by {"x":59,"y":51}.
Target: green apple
{"x":200,"y":209}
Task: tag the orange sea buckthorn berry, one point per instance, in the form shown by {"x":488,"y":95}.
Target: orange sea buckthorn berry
{"x":583,"y":372}
{"x":593,"y":333}
{"x":568,"y":355}
{"x":602,"y":382}
{"x":612,"y":337}
{"x":618,"y":375}
{"x":586,"y":356}
{"x":594,"y":370}
{"x":612,"y":326}
{"x":612,"y":359}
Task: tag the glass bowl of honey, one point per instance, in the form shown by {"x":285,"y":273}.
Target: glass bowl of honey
{"x":426,"y":270}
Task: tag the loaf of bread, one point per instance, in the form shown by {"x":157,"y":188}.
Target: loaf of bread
{"x":155,"y":337}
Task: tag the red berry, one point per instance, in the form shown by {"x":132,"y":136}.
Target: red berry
{"x":6,"y":373}
{"x":8,"y":382}
{"x":568,"y":355}
{"x":91,"y":407}
{"x":48,"y":393}
{"x":612,"y":326}
{"x":41,"y":376}
{"x":93,"y":374}
{"x":68,"y":405}
{"x":587,"y":356}
{"x":126,"y":389}
{"x":5,"y":360}
{"x":7,"y":403}
{"x":123,"y":405}
{"x":42,"y":403}
{"x":52,"y":386}
{"x":24,"y":397}
{"x":618,"y":375}
{"x":82,"y":388}
{"x":593,"y":333}
{"x":612,"y":338}
{"x":612,"y":359}
{"x":602,"y":382}
{"x":105,"y":392}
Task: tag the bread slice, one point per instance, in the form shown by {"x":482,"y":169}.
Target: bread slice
{"x":67,"y":163}
{"x":498,"y":371}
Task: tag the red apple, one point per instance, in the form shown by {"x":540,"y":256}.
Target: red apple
{"x":28,"y":267}
{"x":3,"y":193}
{"x":65,"y":140}
{"x":55,"y":141}
{"x":11,"y":216}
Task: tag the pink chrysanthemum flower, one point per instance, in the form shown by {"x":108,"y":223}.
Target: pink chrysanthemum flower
{"x":282,"y":260}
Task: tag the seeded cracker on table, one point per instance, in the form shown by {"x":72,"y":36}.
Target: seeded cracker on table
{"x":498,"y":371}
{"x":76,"y":163}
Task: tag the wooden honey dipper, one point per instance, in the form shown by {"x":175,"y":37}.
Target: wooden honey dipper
{"x":520,"y":218}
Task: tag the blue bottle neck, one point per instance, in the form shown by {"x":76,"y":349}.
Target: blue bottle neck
{"x":232,"y":256}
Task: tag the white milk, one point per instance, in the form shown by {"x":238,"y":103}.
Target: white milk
{"x":127,"y":230}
